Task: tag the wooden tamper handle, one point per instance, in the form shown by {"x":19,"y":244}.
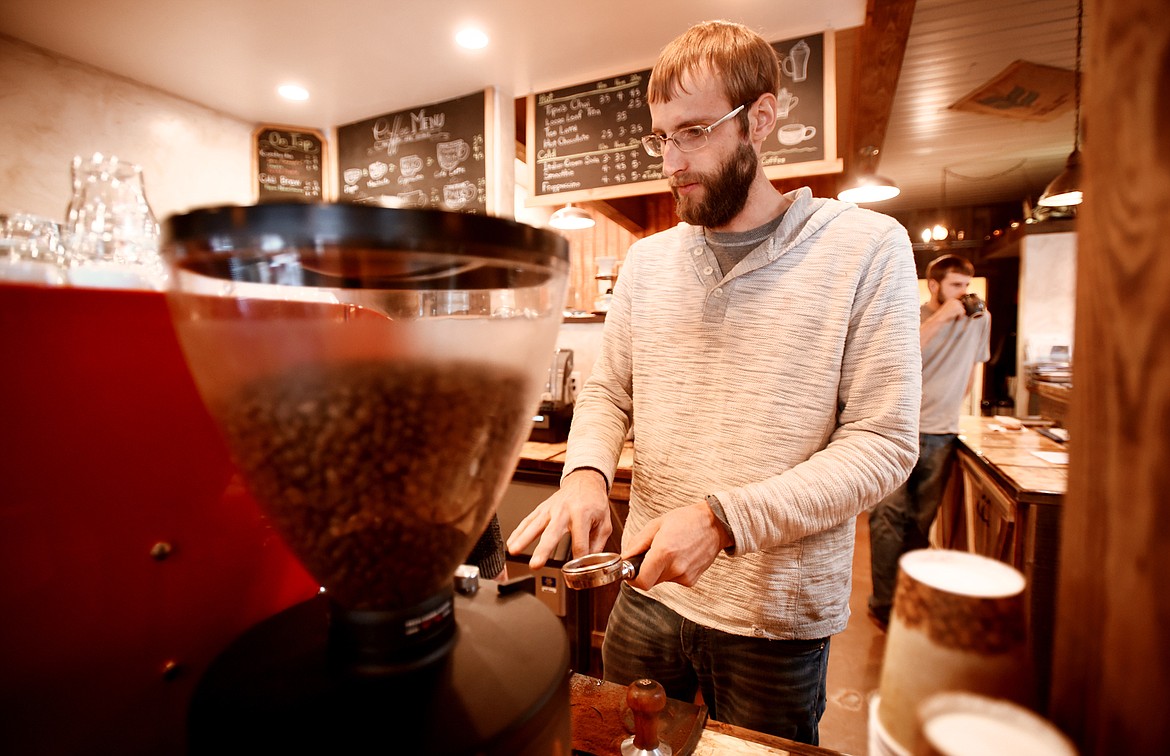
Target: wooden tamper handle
{"x":646,"y":699}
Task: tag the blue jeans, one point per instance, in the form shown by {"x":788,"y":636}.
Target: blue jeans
{"x":901,"y":521}
{"x":772,"y":686}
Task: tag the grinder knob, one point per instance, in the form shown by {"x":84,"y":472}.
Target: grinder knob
{"x":646,"y":699}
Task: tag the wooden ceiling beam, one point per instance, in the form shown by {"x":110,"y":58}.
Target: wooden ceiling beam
{"x":878,"y":65}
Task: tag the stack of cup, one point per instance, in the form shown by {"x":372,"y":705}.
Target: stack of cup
{"x":958,"y":624}
{"x":967,"y":724}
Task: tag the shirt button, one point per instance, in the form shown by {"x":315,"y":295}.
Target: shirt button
{"x":708,"y":271}
{"x":698,"y":251}
{"x":718,"y":292}
{"x":758,"y":632}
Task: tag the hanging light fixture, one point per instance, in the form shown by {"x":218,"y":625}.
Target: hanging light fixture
{"x":570,"y":218}
{"x":867,"y":186}
{"x":1065,"y":189}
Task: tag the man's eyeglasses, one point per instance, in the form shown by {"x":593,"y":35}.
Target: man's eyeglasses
{"x":688,"y":140}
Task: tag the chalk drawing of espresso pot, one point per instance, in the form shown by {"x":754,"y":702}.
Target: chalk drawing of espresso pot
{"x":451,"y":154}
{"x":785,"y":102}
{"x":457,"y":195}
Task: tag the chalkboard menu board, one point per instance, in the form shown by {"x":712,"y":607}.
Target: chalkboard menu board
{"x":288,"y":164}
{"x":800,"y":134}
{"x":584,"y":141}
{"x":589,"y":137}
{"x":430,"y":156}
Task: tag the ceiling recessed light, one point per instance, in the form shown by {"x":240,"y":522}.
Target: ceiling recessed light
{"x":471,"y":38}
{"x":293,"y":92}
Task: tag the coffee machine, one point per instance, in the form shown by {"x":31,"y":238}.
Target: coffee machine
{"x":551,"y":422}
{"x":377,"y":428}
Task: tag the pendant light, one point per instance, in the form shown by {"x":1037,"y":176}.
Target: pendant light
{"x":570,"y":218}
{"x":1065,"y":189}
{"x":867,"y":186}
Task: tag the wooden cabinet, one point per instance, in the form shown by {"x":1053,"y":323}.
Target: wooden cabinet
{"x":1004,"y":501}
{"x":989,"y":513}
{"x":585,"y":614}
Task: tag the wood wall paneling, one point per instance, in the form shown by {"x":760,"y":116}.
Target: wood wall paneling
{"x":605,"y":239}
{"x":1111,"y":672}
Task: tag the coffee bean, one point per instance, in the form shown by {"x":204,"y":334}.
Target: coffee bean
{"x":379,"y":475}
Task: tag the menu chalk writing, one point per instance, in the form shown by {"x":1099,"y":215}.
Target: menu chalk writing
{"x":584,"y":141}
{"x":432,"y":156}
{"x":288,"y":164}
{"x":589,"y":136}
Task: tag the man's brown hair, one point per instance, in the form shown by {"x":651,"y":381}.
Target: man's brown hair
{"x":939,"y":267}
{"x":739,"y":58}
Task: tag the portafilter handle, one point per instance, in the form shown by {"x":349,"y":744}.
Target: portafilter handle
{"x":646,"y":699}
{"x":602,"y":568}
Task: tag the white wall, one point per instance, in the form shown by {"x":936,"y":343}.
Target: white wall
{"x":1048,"y":271}
{"x":52,"y":108}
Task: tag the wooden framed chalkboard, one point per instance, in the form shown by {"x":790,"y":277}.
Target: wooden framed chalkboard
{"x":288,"y":164}
{"x":583,"y":141}
{"x":805,"y":140}
{"x":432,"y":156}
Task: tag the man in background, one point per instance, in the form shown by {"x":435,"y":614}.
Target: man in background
{"x":953,"y":343}
{"x":767,"y":347}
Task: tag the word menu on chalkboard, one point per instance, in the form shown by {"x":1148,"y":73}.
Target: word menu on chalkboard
{"x":584,"y":141}
{"x":431,"y":156}
{"x":288,"y":164}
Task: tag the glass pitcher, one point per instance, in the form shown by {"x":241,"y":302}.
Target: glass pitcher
{"x":111,"y":234}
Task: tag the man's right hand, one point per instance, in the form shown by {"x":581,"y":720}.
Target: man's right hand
{"x":952,"y":309}
{"x":580,"y":507}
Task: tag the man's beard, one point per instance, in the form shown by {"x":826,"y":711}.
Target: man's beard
{"x":725,"y":193}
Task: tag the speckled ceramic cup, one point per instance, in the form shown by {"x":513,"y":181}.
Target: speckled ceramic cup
{"x":960,"y":723}
{"x":958,"y":624}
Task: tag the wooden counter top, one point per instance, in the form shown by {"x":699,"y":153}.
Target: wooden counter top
{"x":542,"y":457}
{"x":1010,"y":455}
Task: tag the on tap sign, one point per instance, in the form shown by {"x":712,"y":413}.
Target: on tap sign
{"x":288,"y":164}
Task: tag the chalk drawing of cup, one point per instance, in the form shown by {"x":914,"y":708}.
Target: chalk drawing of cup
{"x":451,"y":154}
{"x":457,"y":195}
{"x":410,"y":165}
{"x":796,"y":62}
{"x":416,"y":198}
{"x":785,"y":102}
{"x":378,"y":170}
{"x":352,"y":175}
{"x":795,"y":133}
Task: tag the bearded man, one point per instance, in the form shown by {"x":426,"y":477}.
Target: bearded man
{"x":768,"y":347}
{"x":953,"y":345}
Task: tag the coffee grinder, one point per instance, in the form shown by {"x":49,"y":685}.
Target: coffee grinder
{"x":374,"y":372}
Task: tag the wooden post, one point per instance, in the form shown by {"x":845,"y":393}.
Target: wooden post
{"x":1111,"y":671}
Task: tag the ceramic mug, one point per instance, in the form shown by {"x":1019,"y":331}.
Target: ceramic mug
{"x":958,"y":623}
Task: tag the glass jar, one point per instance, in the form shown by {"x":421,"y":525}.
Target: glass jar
{"x":111,"y":235}
{"x":30,"y":249}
